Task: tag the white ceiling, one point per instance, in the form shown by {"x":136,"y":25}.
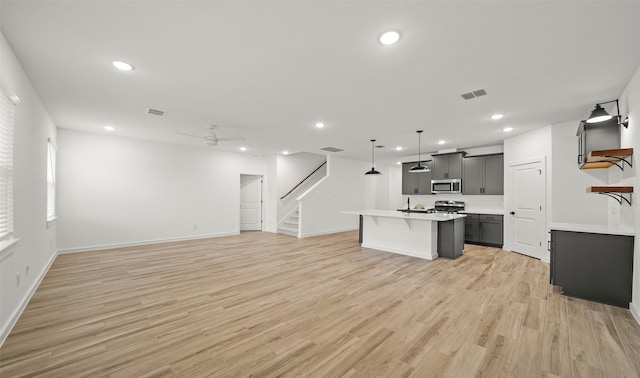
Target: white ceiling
{"x":269,"y":70}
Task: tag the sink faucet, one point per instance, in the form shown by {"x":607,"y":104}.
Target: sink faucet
{"x":408,"y":205}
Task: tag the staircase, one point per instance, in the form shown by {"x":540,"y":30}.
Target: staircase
{"x":289,"y":225}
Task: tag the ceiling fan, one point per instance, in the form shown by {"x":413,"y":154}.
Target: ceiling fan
{"x":211,"y":139}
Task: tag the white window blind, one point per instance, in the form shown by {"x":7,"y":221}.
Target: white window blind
{"x":7,"y":107}
{"x":51,"y":180}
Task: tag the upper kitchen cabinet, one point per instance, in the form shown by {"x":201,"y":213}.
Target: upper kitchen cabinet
{"x":416,"y":183}
{"x":595,"y":137}
{"x":483,"y":174}
{"x":447,"y":166}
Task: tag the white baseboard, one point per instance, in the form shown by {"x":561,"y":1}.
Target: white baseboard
{"x":635,"y":311}
{"x":144,"y":242}
{"x":13,"y":319}
{"x":328,"y":232}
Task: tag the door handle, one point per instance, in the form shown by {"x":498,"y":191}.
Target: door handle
{"x":513,"y":213}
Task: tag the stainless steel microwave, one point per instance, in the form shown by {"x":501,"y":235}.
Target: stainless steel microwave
{"x":446,"y":186}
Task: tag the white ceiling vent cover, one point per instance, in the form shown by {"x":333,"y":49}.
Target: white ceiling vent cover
{"x":156,"y":112}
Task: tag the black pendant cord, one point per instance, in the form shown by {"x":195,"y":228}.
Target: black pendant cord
{"x":372,"y":147}
{"x":419,"y":155}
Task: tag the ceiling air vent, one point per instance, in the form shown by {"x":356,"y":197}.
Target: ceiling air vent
{"x":332,"y":149}
{"x":474,"y":94}
{"x":156,"y":112}
{"x":380,"y":146}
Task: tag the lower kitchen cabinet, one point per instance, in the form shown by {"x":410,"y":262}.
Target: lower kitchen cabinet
{"x":596,"y":267}
{"x":483,"y":229}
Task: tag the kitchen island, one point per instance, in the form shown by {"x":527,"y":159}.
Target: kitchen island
{"x":415,"y":234}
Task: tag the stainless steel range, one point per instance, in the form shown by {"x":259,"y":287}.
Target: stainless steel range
{"x":447,"y":207}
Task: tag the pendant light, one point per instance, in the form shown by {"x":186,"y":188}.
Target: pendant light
{"x":373,"y":170}
{"x":599,"y":115}
{"x":419,"y":168}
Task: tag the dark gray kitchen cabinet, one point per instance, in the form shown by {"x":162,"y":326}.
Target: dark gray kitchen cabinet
{"x":416,"y":183}
{"x":447,"y":166}
{"x":472,"y":228}
{"x":597,"y":136}
{"x":596,"y":267}
{"x":483,"y":174}
{"x":483,"y":229}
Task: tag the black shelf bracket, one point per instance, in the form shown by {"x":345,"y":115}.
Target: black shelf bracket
{"x":616,"y":163}
{"x":618,"y":197}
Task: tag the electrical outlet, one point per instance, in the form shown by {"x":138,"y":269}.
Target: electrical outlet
{"x":18,"y":279}
{"x":26,"y":269}
{"x":195,"y":226}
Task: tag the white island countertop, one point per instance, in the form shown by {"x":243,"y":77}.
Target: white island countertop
{"x":592,"y":228}
{"x":404,"y":215}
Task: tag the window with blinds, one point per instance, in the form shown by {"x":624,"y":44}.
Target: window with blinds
{"x":7,"y":108}
{"x":51,"y":181}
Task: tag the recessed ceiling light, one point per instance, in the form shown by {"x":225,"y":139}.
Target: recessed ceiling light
{"x":285,"y":152}
{"x":319,"y":125}
{"x":390,"y":37}
{"x":441,"y":141}
{"x":109,"y":128}
{"x":497,"y":116}
{"x":399,"y":163}
{"x":243,"y":148}
{"x":123,"y":66}
{"x":507,"y":129}
{"x":398,"y":148}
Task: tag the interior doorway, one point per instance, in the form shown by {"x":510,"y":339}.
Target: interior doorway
{"x":526,"y":209}
{"x":250,"y":203}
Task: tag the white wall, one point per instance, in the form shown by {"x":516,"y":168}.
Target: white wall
{"x":119,"y":191}
{"x":630,"y":105}
{"x":291,"y":170}
{"x":571,"y":202}
{"x":345,"y":188}
{"x":36,"y":248}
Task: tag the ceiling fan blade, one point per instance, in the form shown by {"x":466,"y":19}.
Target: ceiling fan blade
{"x":231,"y":138}
{"x":191,"y":135}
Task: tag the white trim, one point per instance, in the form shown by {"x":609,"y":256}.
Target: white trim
{"x":328,"y":232}
{"x":13,"y":319}
{"x":145,"y":242}
{"x":51,"y":221}
{"x":7,"y":243}
{"x":635,"y":311}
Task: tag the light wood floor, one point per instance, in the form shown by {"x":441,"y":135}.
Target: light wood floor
{"x":262,"y":304}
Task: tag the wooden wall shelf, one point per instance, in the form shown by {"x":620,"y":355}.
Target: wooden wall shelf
{"x":607,"y":158}
{"x":616,"y":192}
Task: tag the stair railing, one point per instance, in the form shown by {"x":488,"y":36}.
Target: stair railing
{"x":303,"y":180}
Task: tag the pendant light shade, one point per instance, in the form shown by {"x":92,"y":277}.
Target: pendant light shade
{"x":373,"y":170}
{"x":598,"y":115}
{"x":419,"y":168}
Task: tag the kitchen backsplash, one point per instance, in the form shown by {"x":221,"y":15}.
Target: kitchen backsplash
{"x":479,"y":202}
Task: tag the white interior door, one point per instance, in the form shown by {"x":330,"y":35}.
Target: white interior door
{"x":527,"y":208}
{"x":250,"y":202}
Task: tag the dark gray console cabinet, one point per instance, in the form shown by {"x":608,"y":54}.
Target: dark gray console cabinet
{"x":447,"y":166}
{"x":451,"y":238}
{"x":416,"y":183}
{"x":483,"y":174}
{"x":483,"y":229}
{"x":596,"y":267}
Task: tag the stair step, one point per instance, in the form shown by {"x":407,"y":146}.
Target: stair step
{"x":292,"y":225}
{"x":288,"y":231}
